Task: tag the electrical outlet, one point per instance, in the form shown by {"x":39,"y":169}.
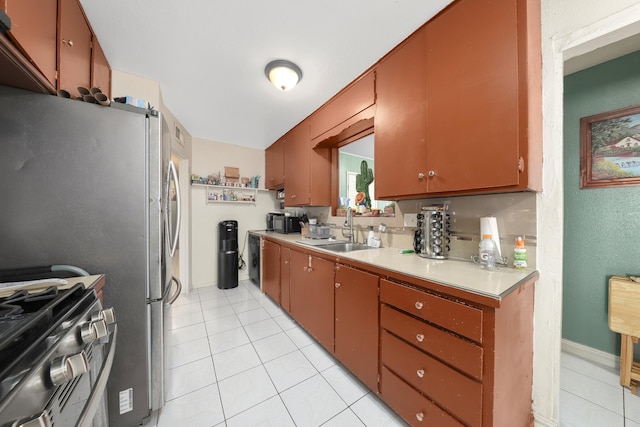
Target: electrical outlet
{"x":410,"y":220}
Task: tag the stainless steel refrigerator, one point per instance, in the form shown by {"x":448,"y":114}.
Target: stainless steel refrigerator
{"x":92,"y":186}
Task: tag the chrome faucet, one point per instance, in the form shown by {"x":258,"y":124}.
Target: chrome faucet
{"x":349,"y":223}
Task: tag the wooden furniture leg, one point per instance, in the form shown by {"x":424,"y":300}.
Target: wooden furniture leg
{"x":626,"y":359}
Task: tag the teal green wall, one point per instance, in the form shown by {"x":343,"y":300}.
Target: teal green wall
{"x":601,"y":226}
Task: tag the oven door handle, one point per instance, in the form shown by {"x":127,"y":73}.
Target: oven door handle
{"x":97,"y":393}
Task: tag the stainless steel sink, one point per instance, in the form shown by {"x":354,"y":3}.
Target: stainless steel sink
{"x":344,"y":247}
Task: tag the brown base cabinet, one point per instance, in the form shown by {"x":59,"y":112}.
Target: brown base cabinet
{"x":311,"y":295}
{"x":285,"y":264}
{"x":437,"y":359}
{"x":356,"y":323}
{"x":474,"y":362}
{"x":271,"y":272}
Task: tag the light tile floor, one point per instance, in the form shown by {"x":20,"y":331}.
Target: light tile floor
{"x":591,"y":396}
{"x":237,"y":359}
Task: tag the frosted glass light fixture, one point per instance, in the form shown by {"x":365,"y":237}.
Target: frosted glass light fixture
{"x":283,"y":74}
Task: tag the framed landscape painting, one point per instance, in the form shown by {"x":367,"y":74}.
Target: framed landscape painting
{"x":610,"y":148}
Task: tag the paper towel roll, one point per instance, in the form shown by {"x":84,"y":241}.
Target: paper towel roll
{"x":489,"y":225}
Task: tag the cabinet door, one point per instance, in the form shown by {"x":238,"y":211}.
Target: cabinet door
{"x":285,"y":263}
{"x":274,"y":165}
{"x":472,"y":92}
{"x":271,"y":269}
{"x":34,"y":30}
{"x":356,"y":323}
{"x":100,"y":70}
{"x":74,"y":47}
{"x":400,"y":135}
{"x":312,"y":292}
{"x":297,"y":166}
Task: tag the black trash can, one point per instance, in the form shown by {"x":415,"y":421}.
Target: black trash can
{"x":228,"y":254}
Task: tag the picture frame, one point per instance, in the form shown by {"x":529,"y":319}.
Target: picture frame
{"x":610,"y":148}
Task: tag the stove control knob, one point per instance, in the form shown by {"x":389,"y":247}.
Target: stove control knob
{"x":108,"y":314}
{"x":42,"y":420}
{"x":93,"y":330}
{"x":65,"y":368}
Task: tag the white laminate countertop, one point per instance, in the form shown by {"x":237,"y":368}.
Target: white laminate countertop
{"x":463,"y":275}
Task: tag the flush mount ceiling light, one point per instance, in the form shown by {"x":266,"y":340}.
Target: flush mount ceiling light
{"x":283,"y":74}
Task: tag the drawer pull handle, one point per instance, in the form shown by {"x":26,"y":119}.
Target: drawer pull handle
{"x":419,"y":305}
{"x":337,"y":285}
{"x":420,"y":416}
{"x":420,"y":373}
{"x":420,"y":337}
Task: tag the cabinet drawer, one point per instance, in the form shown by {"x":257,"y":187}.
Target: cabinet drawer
{"x":457,"y":317}
{"x":452,"y":390}
{"x":455,"y":351}
{"x":416,"y":409}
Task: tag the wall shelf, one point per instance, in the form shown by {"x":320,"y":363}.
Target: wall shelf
{"x":215,"y":194}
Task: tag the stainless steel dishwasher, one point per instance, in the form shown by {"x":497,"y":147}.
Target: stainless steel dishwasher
{"x":254,"y":258}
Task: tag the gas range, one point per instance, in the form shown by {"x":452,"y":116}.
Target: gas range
{"x":56,"y":351}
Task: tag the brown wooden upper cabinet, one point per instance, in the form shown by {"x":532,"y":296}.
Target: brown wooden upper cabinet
{"x":459,"y":110}
{"x":456,"y":106}
{"x":100,"y":70}
{"x":400,"y":147}
{"x":74,"y":47}
{"x":307,"y":170}
{"x":274,"y":165}
{"x":475,"y":93}
{"x":54,"y":47}
{"x":33,"y":31}
{"x":453,"y":106}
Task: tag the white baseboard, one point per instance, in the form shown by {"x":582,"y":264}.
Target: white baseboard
{"x":591,"y":354}
{"x":540,"y":421}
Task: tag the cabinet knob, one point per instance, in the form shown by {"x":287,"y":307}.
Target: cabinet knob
{"x":419,"y":305}
{"x":286,"y":262}
{"x":420,"y":373}
{"x":420,"y":175}
{"x":68,"y":42}
{"x":420,"y":416}
{"x":420,"y":337}
{"x":337,"y":285}
{"x":293,"y":196}
{"x":305,"y":268}
{"x":432,"y":173}
{"x":310,"y":269}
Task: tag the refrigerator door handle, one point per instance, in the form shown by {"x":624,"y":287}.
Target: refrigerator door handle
{"x":175,"y":296}
{"x":172,"y":173}
{"x":165,"y":295}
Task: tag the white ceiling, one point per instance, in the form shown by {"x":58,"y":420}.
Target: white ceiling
{"x":209,"y":55}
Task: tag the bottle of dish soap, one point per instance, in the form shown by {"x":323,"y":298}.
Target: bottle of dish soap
{"x":370,"y":237}
{"x":520,"y":254}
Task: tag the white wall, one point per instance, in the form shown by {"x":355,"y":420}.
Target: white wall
{"x":569,"y":27}
{"x":210,"y":157}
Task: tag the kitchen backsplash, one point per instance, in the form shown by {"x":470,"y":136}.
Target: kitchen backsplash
{"x":515,"y":214}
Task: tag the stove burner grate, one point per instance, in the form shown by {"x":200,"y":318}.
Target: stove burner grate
{"x":28,"y":319}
